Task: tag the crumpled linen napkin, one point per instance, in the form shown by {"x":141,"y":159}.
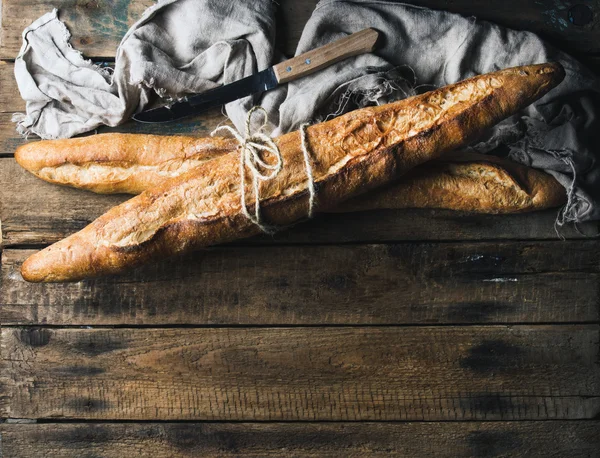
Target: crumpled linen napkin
{"x":189,"y":46}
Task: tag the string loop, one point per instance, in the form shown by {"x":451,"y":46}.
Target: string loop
{"x":309,"y":175}
{"x":253,"y":145}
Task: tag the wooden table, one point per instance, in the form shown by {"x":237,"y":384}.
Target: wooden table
{"x":408,"y":333}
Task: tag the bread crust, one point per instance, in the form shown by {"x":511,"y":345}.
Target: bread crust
{"x":466,"y":182}
{"x":118,"y":163}
{"x":134,"y":163}
{"x":351,"y":155}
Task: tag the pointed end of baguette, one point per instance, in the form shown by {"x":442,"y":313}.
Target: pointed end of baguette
{"x":534,"y":81}
{"x":547,"y":191}
{"x":42,"y":267}
{"x":71,"y":259}
{"x":27,"y":156}
{"x":554,"y":71}
{"x":30,"y":270}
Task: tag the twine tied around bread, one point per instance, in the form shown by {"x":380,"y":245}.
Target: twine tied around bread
{"x":312,"y":194}
{"x":252,"y":145}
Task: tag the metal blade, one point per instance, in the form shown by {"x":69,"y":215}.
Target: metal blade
{"x":254,"y":84}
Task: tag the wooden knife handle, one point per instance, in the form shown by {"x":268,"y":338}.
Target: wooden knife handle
{"x":311,"y":61}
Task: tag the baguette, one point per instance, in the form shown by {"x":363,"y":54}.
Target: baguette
{"x":118,"y":163}
{"x":469,"y":182}
{"x":127,"y":163}
{"x":351,"y":154}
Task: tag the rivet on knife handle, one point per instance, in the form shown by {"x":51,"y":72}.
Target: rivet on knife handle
{"x":311,"y":61}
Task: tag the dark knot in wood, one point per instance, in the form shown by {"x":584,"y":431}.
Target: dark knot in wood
{"x":581,"y":15}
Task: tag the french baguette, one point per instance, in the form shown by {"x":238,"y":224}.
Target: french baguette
{"x":119,"y":163}
{"x":351,"y":154}
{"x":127,"y":163}
{"x":468,"y":182}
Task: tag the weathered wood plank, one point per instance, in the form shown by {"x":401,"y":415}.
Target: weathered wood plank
{"x":98,"y":27}
{"x":573,"y":439}
{"x":537,"y":282}
{"x":309,"y":374}
{"x":35,"y":212}
{"x":10,"y":100}
{"x":10,"y":140}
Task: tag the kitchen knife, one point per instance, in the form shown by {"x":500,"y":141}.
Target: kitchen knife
{"x":289,"y":70}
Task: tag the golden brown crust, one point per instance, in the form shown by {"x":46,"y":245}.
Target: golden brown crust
{"x":134,"y":163}
{"x":458,"y":181}
{"x":466,"y":182}
{"x":118,"y":163}
{"x":351,"y":154}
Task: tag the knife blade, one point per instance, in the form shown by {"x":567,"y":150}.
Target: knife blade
{"x":284,"y":72}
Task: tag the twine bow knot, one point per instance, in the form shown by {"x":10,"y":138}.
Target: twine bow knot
{"x":252,"y":145}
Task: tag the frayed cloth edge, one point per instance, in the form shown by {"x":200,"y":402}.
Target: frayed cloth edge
{"x":386,"y":83}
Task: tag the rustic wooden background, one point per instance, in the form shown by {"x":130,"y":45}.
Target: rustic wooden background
{"x":407,"y":333}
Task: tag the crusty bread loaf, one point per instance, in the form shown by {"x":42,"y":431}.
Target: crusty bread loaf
{"x":351,"y":154}
{"x":127,"y":163}
{"x":119,"y":163}
{"x":467,"y":182}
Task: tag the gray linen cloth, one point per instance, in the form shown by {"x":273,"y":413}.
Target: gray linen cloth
{"x":188,"y":46}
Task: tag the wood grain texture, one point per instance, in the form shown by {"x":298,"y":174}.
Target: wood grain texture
{"x":10,"y":101}
{"x":556,"y":439}
{"x":311,"y":61}
{"x":35,"y":212}
{"x":537,"y":282}
{"x":98,"y":27}
{"x":308,"y":374}
{"x":445,"y":373}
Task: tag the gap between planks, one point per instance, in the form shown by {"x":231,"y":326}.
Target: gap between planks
{"x":235,"y":326}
